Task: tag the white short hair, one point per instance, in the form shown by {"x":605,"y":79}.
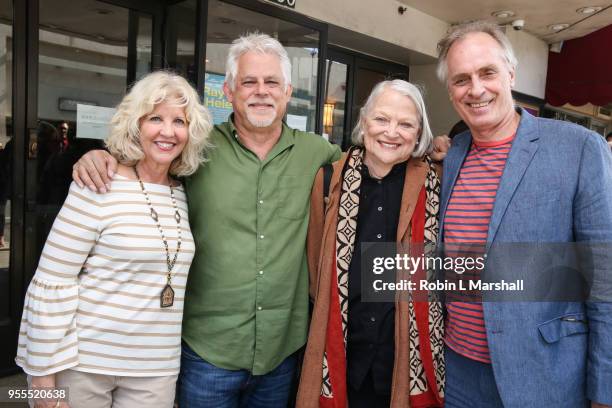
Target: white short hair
{"x":425,"y":137}
{"x":261,"y":43}
{"x":460,"y":31}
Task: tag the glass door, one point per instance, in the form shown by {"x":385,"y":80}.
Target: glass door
{"x":7,"y":325}
{"x":59,"y":55}
{"x":88,"y":53}
{"x":349,"y":79}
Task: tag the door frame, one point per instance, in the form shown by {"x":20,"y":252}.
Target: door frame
{"x":23,"y":257}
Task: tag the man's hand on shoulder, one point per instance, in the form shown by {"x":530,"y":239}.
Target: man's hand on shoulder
{"x":95,"y":169}
{"x":441,"y":145}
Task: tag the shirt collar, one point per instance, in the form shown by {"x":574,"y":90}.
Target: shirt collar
{"x":286,"y":140}
{"x":397,"y":170}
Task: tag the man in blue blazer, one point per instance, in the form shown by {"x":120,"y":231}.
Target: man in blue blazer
{"x":514,"y":178}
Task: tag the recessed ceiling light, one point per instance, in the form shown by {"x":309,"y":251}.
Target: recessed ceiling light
{"x":589,"y":9}
{"x":503,"y":14}
{"x":558,"y":27}
{"x":103,"y":12}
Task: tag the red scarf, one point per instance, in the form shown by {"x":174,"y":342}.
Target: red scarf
{"x":426,"y":331}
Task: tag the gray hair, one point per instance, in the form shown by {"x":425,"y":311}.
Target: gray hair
{"x":460,"y":31}
{"x":257,"y":42}
{"x":425,"y":137}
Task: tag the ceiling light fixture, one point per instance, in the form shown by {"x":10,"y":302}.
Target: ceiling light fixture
{"x":103,"y":12}
{"x":558,"y":27}
{"x":503,"y":14}
{"x":589,"y":9}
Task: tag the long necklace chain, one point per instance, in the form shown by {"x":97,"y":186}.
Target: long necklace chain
{"x":177,"y":217}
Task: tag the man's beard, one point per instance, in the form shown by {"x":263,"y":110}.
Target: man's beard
{"x":256,"y":120}
{"x":260,"y":123}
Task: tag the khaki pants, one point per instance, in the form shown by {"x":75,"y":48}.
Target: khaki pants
{"x":87,"y":390}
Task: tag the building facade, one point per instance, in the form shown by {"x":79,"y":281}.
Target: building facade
{"x":64,"y":63}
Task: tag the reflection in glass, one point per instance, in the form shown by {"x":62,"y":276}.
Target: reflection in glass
{"x":83,"y":59}
{"x":227,"y":22}
{"x":365,"y":80}
{"x":180,"y":38}
{"x":143,"y":46}
{"x":336,"y":76}
{"x":6,"y":150}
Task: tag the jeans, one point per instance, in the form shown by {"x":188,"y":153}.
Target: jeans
{"x":469,"y":383}
{"x":202,"y":384}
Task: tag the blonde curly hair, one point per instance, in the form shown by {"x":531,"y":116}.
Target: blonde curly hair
{"x":153,"y":89}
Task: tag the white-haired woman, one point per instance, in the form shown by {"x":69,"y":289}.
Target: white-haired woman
{"x":102,"y":315}
{"x":384,"y":189}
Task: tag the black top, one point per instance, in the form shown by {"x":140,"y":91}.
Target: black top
{"x":371,"y":325}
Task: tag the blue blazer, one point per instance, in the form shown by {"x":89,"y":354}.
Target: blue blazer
{"x":556,"y":187}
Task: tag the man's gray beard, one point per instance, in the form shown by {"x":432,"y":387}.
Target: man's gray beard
{"x":261,"y":123}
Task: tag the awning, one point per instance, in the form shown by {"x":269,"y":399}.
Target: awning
{"x":582,"y":71}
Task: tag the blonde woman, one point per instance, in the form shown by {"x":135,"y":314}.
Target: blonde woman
{"x":102,"y":315}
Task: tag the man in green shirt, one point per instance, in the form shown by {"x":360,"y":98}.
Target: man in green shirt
{"x":246,"y":304}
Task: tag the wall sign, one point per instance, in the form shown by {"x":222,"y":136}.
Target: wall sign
{"x":93,"y":122}
{"x":69,"y":104}
{"x":286,"y":3}
{"x":214,"y":98}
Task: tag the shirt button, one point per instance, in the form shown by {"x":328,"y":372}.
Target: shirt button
{"x":261,"y":272}
{"x":261,"y":237}
{"x":260,"y":201}
{"x":379,"y":181}
{"x":379,"y":208}
{"x":379,"y":236}
{"x":259,"y":307}
{"x":372,"y":319}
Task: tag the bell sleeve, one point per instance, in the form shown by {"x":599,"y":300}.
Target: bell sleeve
{"x":48,"y":340}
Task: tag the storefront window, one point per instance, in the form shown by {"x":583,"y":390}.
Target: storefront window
{"x":84,"y":60}
{"x":226,"y":22}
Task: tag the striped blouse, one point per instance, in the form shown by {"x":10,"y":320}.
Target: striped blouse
{"x":467,"y":223}
{"x":94,"y":302}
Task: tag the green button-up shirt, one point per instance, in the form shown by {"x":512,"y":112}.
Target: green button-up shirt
{"x":246,"y":304}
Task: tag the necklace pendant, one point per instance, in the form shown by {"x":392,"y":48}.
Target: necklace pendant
{"x":167,"y":296}
{"x":177,"y":216}
{"x":154,"y":214}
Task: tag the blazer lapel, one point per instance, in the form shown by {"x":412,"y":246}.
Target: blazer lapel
{"x":452,"y":165}
{"x":416,"y":172}
{"x":523,"y":149}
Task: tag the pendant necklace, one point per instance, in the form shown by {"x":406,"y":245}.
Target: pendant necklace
{"x":167,"y":295}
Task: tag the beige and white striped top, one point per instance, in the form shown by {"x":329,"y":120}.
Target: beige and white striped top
{"x":94,"y":302}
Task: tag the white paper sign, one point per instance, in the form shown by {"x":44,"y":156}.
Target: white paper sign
{"x":93,"y":122}
{"x":297,"y":122}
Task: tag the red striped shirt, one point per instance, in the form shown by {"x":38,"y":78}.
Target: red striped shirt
{"x":467,"y":222}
